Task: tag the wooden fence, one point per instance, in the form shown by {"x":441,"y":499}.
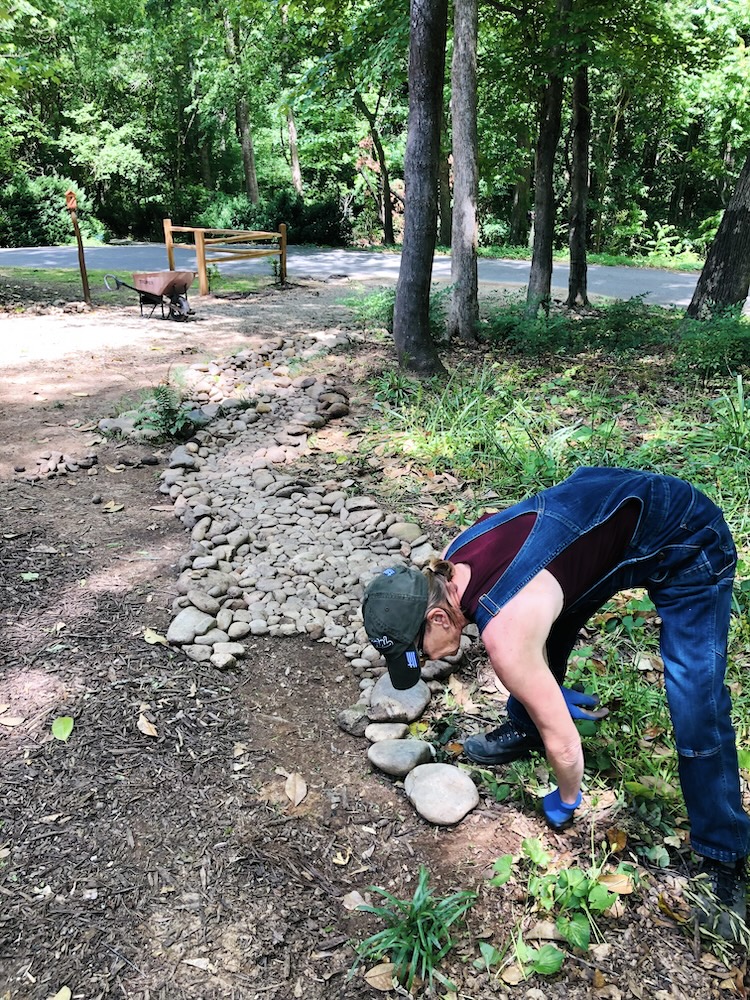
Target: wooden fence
{"x":223,"y":240}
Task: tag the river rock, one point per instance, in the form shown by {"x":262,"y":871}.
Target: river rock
{"x":441,"y":793}
{"x":378,"y":731}
{"x":354,"y":720}
{"x":399,"y":757}
{"x":188,"y":624}
{"x":389,"y":705}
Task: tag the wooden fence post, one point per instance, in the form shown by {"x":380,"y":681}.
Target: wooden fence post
{"x":71,"y":203}
{"x":200,"y":253}
{"x":169,"y":240}
{"x":282,"y":254}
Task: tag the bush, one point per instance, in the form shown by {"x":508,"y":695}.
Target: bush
{"x":317,"y":220}
{"x":719,"y":344}
{"x":376,"y":310}
{"x":33,"y":213}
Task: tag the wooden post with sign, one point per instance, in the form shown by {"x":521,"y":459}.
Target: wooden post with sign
{"x":71,"y":203}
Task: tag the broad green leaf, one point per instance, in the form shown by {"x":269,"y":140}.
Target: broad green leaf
{"x":29,"y":577}
{"x":490,"y":955}
{"x":62,"y":727}
{"x":600,"y":898}
{"x":503,"y":868}
{"x":576,"y":931}
{"x":548,"y":960}
{"x":534,"y":851}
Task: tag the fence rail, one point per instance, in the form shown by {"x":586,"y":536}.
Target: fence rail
{"x":205,"y":239}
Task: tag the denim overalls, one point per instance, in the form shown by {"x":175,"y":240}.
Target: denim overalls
{"x":683,"y":554}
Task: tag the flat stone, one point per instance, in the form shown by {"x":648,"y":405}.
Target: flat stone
{"x":223,"y":661}
{"x":389,"y":705}
{"x":406,"y":531}
{"x":378,"y":731}
{"x":200,"y":654}
{"x":353,"y":720}
{"x":188,"y":624}
{"x":235,"y":649}
{"x":399,"y":757}
{"x":441,"y":793}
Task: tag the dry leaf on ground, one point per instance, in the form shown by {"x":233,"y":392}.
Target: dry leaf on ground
{"x":154,"y":638}
{"x":295,"y":788}
{"x":380,"y":977}
{"x":146,"y":727}
{"x":617,"y":882}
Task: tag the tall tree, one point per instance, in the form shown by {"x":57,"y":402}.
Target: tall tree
{"x":579,"y":184}
{"x":464,"y":309}
{"x":411,"y":314}
{"x":550,"y":122}
{"x":725,"y":278}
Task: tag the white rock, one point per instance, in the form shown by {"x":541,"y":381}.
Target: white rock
{"x":399,"y":757}
{"x":378,"y":731}
{"x":441,"y":793}
{"x":189,"y":623}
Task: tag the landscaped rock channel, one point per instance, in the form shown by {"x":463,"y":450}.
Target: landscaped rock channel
{"x":272,"y":552}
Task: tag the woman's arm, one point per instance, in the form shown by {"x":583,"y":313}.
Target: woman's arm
{"x":515,"y":640}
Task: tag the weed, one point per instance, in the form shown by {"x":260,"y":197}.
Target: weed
{"x":417,"y":933}
{"x":163,"y":413}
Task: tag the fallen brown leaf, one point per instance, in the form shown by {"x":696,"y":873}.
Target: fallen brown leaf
{"x":295,"y":788}
{"x":380,"y":977}
{"x":146,"y":727}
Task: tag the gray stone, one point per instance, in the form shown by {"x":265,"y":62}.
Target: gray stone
{"x":353,"y":720}
{"x":230,"y":648}
{"x":406,"y":531}
{"x":378,"y":731}
{"x":201,"y":654}
{"x":223,"y":661}
{"x":389,"y":705}
{"x":399,"y":757}
{"x":188,"y":624}
{"x":441,"y":793}
{"x":181,"y":458}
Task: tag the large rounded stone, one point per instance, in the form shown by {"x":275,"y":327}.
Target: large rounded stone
{"x":389,"y":705}
{"x":189,"y":624}
{"x":398,"y":757}
{"x":378,"y":731}
{"x":441,"y":793}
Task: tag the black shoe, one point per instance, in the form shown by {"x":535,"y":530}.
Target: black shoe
{"x":720,"y":894}
{"x":504,"y":744}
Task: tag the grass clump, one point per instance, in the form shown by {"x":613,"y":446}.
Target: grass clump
{"x":417,"y":932}
{"x":163,"y":414}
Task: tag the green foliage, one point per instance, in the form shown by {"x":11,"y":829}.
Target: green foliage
{"x":33,"y":213}
{"x":718,"y":344}
{"x":163,"y":413}
{"x":376,"y":309}
{"x":319,"y":221}
{"x":417,"y":933}
{"x":62,"y":727}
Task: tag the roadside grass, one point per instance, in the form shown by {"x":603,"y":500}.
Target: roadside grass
{"x":19,"y":285}
{"x":614,"y":387}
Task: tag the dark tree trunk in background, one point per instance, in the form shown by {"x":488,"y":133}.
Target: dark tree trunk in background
{"x":540,"y":276}
{"x":520,"y":225}
{"x":579,"y":186}
{"x":293,"y":151}
{"x":725,"y":278}
{"x":248,"y":151}
{"x":464,"y":309}
{"x":445,"y":210}
{"x":411,"y":313}
{"x":386,"y":201}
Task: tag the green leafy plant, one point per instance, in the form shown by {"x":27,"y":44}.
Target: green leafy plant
{"x":163,"y":413}
{"x":417,"y":933}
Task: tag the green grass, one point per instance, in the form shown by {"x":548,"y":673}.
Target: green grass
{"x":686,"y":261}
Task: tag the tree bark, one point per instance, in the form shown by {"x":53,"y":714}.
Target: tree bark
{"x":463,"y":317}
{"x":540,"y":276}
{"x":293,"y":151}
{"x":411,"y":315}
{"x":725,"y":278}
{"x":444,"y":197}
{"x":386,"y":202}
{"x":579,"y":186}
{"x":519,"y":213}
{"x":248,"y":151}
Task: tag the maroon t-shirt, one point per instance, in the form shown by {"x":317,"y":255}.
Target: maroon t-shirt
{"x":579,"y":566}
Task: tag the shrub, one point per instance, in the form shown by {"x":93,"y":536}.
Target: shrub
{"x":719,"y":344}
{"x":318,"y":220}
{"x":33,"y":213}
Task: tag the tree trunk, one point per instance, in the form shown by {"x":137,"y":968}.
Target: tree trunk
{"x":725,"y":278}
{"x":411,"y":314}
{"x":519,"y":213}
{"x":444,"y":196}
{"x":294,"y":151}
{"x":386,"y":203}
{"x":579,"y":186}
{"x":540,"y":276}
{"x":464,"y":309}
{"x":248,"y":152}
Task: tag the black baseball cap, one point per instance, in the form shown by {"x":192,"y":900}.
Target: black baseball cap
{"x":394,"y":607}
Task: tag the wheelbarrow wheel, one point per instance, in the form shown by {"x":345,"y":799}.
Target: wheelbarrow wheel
{"x":179,"y":308}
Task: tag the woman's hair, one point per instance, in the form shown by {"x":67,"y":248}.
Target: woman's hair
{"x":439,"y":573}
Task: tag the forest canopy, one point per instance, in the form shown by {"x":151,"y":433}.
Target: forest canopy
{"x":246,"y":113}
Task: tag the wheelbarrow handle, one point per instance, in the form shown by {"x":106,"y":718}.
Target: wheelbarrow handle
{"x":116,"y":280}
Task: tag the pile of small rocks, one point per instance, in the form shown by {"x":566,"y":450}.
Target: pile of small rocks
{"x":274,"y":553}
{"x":54,"y":463}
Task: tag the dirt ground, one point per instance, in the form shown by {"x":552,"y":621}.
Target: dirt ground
{"x":155,"y":854}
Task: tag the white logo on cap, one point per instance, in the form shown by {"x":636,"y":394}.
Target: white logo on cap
{"x":382,"y":643}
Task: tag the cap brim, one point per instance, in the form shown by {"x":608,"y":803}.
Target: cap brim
{"x":404,"y":669}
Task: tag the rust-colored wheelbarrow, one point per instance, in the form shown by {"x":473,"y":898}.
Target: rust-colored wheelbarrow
{"x":167,"y":289}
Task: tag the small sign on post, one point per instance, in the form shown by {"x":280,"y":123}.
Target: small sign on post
{"x":71,"y":204}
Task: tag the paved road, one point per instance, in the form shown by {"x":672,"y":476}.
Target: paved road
{"x":661,"y":287}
